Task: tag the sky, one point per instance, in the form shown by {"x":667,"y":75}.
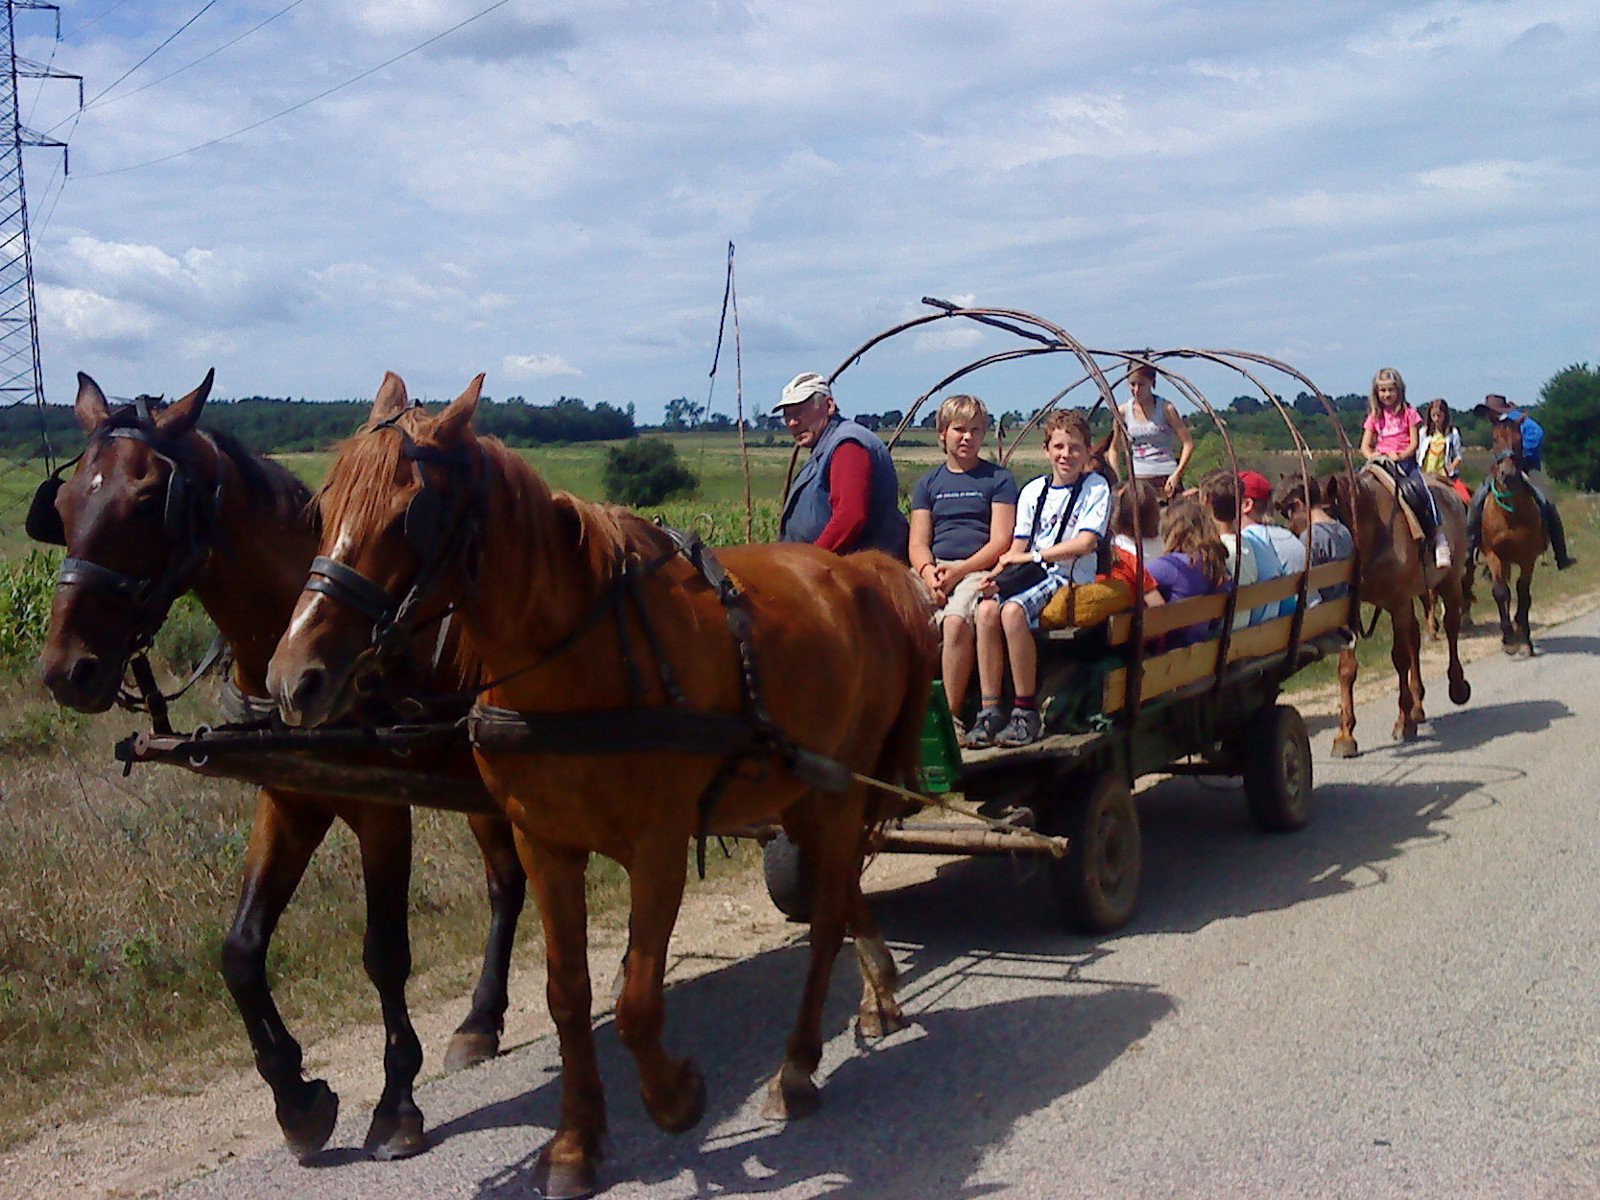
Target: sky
{"x":546,"y":194}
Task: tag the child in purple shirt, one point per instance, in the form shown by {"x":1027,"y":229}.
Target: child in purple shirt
{"x":1195,"y":564}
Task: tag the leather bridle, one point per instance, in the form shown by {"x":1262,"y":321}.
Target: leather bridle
{"x":438,"y":529}
{"x":190,"y":520}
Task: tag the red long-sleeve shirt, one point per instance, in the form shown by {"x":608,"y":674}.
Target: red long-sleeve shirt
{"x":849,"y":486}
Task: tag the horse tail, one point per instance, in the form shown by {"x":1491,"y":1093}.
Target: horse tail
{"x":911,"y":620}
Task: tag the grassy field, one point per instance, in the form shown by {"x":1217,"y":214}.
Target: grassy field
{"x":115,"y":892}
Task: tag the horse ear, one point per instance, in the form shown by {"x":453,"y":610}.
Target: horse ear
{"x":1098,"y":452}
{"x":454,"y":421}
{"x":90,"y":405}
{"x":179,"y":417}
{"x":391,"y":399}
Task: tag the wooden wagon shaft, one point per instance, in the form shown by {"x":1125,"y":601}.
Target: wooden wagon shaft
{"x":266,"y":763}
{"x":921,"y":838}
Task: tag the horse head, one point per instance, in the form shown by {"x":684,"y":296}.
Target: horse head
{"x":1508,"y":470}
{"x":136,"y":518}
{"x":399,"y":513}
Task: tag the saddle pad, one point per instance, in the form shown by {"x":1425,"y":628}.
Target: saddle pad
{"x":1388,"y":481}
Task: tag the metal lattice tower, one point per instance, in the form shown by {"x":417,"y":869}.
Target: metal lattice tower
{"x":21,"y":379}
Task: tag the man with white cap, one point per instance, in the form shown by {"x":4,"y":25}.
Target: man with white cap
{"x":846,"y":497}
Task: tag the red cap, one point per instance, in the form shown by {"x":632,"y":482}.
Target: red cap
{"x":1255,"y":486}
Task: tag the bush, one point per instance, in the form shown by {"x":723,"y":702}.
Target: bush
{"x":1569,"y":413}
{"x":646,"y":472}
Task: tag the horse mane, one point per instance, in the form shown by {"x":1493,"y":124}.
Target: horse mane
{"x":269,"y":485}
{"x":602,"y":535}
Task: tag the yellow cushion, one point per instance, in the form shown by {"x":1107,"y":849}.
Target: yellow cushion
{"x":1083,"y":604}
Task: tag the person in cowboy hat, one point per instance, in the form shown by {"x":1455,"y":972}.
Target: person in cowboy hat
{"x":847,"y":496}
{"x":1497,"y":408}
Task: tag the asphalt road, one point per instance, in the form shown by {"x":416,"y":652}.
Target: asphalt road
{"x":1399,"y":1001}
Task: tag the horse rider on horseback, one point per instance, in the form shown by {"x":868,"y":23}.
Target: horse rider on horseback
{"x":1497,"y":408}
{"x":1389,"y":437}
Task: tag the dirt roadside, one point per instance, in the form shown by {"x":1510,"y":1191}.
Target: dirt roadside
{"x":179,"y":1129}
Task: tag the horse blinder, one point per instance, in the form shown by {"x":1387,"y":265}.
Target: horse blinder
{"x":44,"y":521}
{"x":427,"y":522}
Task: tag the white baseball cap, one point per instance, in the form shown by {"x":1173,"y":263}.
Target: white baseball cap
{"x":801,"y":388}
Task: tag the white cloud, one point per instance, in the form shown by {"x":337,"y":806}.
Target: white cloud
{"x":566,"y":175}
{"x":537,"y":366}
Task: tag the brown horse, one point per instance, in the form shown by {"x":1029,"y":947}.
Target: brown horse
{"x":586,"y":612}
{"x":1513,"y":536}
{"x":1394,"y":574}
{"x":156,"y":508}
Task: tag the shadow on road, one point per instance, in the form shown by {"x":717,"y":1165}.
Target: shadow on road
{"x":939,"y":1094}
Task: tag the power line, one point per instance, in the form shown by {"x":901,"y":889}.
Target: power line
{"x":323,"y":95}
{"x":97,"y":103}
{"x":169,"y":40}
{"x":95,"y":20}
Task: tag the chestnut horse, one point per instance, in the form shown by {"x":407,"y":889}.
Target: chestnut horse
{"x":589,"y":621}
{"x":156,"y":508}
{"x":1513,"y":536}
{"x":1395,"y":572}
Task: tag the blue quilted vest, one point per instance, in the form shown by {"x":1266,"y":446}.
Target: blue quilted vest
{"x":810,"y":506}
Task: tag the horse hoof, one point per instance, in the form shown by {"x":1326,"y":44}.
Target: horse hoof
{"x":1344,"y":747}
{"x":308,"y":1129}
{"x":874,"y":1022}
{"x":1460,"y":691}
{"x":396,"y":1136}
{"x":470,"y":1049}
{"x":1405,"y":731}
{"x":688,"y":1107}
{"x":791,"y":1096}
{"x":563,"y":1180}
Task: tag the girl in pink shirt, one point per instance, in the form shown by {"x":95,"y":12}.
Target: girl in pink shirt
{"x":1389,"y":434}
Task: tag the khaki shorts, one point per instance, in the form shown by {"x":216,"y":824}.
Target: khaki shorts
{"x":963,"y":602}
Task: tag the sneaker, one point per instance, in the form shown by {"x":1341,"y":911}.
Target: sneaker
{"x":1441,"y":555}
{"x":1023,"y":728}
{"x":982,"y":734}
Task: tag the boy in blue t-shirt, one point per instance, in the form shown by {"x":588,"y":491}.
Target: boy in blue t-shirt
{"x":962,"y":514}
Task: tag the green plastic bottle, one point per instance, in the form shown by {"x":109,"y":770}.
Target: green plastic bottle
{"x":941,"y":756}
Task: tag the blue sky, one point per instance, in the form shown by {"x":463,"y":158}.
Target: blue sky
{"x":546,"y":194}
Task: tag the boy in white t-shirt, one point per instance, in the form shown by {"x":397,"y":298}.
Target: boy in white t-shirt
{"x":1061,"y":518}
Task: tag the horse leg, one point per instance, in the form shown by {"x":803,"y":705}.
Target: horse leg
{"x":477,"y":1038}
{"x":1344,"y":745}
{"x":833,"y":850}
{"x":567,"y":1163}
{"x":1403,"y":653}
{"x":880,"y":1013}
{"x":282,"y":840}
{"x":1460,"y":689}
{"x":1524,"y":603}
{"x":1501,"y":589}
{"x":1418,"y":690}
{"x":673,"y":1089}
{"x":385,"y":839}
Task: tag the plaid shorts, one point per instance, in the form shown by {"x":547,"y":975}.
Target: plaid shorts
{"x":1033,"y":600}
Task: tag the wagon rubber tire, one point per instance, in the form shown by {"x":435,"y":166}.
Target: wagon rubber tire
{"x":788,"y":881}
{"x":1277,"y":770}
{"x":1096,"y":883}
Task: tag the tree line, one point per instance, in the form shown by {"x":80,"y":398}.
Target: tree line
{"x":278,"y":425}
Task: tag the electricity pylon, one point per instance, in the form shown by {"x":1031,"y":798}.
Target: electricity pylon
{"x":21,"y":378}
